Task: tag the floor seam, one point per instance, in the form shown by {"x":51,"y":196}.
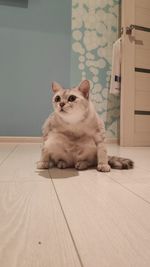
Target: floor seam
{"x":67,"y":224}
{"x":7,"y":156}
{"x":129,"y":190}
{"x":24,"y":181}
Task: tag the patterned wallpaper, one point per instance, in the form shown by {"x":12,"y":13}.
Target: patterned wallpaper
{"x":94,"y":29}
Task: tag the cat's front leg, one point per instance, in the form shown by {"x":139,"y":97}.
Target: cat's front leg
{"x":102,"y":158}
{"x":44,"y":162}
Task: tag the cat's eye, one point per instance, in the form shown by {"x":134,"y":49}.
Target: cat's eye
{"x":72,"y":98}
{"x":57,"y":98}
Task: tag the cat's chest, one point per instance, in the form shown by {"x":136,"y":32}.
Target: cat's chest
{"x":75,"y":136}
{"x":74,"y":141}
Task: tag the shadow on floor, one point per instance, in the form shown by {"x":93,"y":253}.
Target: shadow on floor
{"x":43,"y":173}
{"x":56,"y":173}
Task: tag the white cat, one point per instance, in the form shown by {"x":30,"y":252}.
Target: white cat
{"x":74,"y":135}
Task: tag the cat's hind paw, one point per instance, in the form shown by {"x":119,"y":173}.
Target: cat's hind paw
{"x":103,"y":167}
{"x":42,"y":165}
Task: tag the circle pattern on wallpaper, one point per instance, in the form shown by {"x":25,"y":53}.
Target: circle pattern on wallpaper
{"x":94,"y":30}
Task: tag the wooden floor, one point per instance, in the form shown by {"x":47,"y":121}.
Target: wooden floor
{"x":66,"y":218}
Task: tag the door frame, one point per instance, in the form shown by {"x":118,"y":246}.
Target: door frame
{"x":127,"y":105}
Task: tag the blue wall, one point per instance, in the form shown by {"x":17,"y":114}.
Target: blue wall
{"x":35,"y":49}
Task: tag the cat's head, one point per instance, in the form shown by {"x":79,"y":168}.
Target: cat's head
{"x":71,"y":104}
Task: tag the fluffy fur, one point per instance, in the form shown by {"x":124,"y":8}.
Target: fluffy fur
{"x":74,"y":135}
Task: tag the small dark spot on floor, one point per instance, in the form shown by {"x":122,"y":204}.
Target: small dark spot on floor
{"x":39,"y":242}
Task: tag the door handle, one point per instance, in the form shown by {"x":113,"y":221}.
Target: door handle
{"x":129,"y":29}
{"x":136,"y":27}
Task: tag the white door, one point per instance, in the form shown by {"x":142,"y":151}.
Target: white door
{"x":135,"y":83}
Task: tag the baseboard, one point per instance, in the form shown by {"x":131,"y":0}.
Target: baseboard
{"x":112,"y":141}
{"x":20,"y":139}
{"x":32,"y":139}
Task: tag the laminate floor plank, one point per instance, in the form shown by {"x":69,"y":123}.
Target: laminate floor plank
{"x":110,"y":225}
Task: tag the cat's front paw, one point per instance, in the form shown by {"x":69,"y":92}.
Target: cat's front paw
{"x":103,"y":167}
{"x":42,"y":165}
{"x":62,"y":164}
{"x":81,"y":165}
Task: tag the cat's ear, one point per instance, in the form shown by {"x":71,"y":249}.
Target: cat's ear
{"x":56,"y":87}
{"x":84,"y":88}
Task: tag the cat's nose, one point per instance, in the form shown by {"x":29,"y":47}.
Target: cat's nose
{"x":62,"y":104}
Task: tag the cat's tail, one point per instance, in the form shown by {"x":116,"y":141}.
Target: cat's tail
{"x":120,"y":163}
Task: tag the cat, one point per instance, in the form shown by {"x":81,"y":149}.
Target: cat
{"x":74,"y":135}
